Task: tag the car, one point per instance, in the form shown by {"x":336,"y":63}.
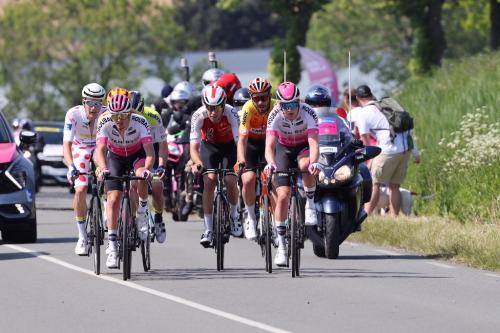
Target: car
{"x":51,"y":157}
{"x":17,"y":190}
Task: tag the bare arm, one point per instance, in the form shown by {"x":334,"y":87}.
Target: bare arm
{"x":100,"y":156}
{"x":313,"y":148}
{"x":68,"y":157}
{"x":242,"y":147}
{"x":163,"y":153}
{"x":194,"y":150}
{"x":150,"y":155}
{"x":270,"y":149}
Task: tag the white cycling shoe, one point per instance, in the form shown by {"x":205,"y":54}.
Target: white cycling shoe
{"x":112,"y":261}
{"x":236,"y":227}
{"x":81,"y":247}
{"x":311,"y":218}
{"x":250,"y":229}
{"x":142,"y":224}
{"x":281,"y":257}
{"x":206,"y":238}
{"x":160,"y":232}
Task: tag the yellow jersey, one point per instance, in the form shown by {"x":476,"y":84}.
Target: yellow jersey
{"x":253,"y":124}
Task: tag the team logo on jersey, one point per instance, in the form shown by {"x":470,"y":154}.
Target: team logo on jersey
{"x":69,"y":126}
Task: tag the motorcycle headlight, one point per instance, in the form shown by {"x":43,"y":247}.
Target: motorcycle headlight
{"x":27,"y":154}
{"x":344,"y":173}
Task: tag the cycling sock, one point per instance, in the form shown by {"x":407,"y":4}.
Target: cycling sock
{"x":82,"y":232}
{"x":251,"y":212}
{"x":207,"y":218}
{"x":112,"y":241}
{"x":310,"y":195}
{"x":281,"y":231}
{"x":234,"y":210}
{"x":142,"y":204}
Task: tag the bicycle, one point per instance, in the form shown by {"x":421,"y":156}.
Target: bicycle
{"x":222,"y":225}
{"x":265,"y":224}
{"x":127,"y":237}
{"x":295,"y":229}
{"x":93,"y":222}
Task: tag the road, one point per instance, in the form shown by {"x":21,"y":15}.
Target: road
{"x":45,"y":287}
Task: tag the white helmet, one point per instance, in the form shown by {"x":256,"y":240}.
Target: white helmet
{"x":187,"y":87}
{"x":94,"y":91}
{"x":179,"y":95}
{"x":213,"y":95}
{"x":211,"y":75}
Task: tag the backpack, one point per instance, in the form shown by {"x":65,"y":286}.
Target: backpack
{"x":399,"y":120}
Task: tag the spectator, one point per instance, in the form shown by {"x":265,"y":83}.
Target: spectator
{"x":391,"y":165}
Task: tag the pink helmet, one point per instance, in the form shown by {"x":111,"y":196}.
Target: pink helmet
{"x":287,"y":92}
{"x":213,"y":95}
{"x":119,"y":104}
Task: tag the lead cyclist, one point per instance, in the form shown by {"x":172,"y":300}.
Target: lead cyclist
{"x":78,"y":147}
{"x":124,"y":143}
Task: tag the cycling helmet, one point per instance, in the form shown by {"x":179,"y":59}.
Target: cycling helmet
{"x":287,"y":92}
{"x":93,"y":91}
{"x":211,"y":75}
{"x":213,"y":95}
{"x":166,"y":90}
{"x":241,"y":96}
{"x":186,"y":86}
{"x":318,"y":96}
{"x":25,"y":124}
{"x":259,"y":85}
{"x":116,"y":91}
{"x":136,"y":101}
{"x":230,"y":83}
{"x":119,"y":104}
{"x":179,"y":95}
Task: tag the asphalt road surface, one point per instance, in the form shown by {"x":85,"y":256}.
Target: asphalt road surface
{"x":45,"y":287}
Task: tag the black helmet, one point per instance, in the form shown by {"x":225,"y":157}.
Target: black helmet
{"x":137,"y":101}
{"x":241,"y":96}
{"x":166,"y":90}
{"x":318,"y":96}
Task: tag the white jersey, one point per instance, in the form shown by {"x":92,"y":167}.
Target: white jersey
{"x":77,"y":128}
{"x":131,"y":142}
{"x":292,"y":133}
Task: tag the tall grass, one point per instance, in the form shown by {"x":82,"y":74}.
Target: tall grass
{"x":457,"y":114}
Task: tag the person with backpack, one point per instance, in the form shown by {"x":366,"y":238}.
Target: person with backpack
{"x":392,"y":128}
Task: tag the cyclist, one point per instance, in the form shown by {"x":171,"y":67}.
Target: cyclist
{"x":241,"y":96}
{"x":251,"y":144}
{"x":291,"y":141}
{"x":214,"y":131}
{"x":211,"y":75}
{"x":124,"y":143}
{"x":78,"y":146}
{"x":160,"y":147}
{"x":230,"y":83}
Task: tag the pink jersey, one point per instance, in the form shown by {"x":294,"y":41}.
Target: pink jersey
{"x":131,"y":142}
{"x":295,"y":132}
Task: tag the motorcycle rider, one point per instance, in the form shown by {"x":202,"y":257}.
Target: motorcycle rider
{"x":211,"y":75}
{"x":241,"y":96}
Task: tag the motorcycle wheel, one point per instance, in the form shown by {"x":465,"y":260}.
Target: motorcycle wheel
{"x":332,"y":235}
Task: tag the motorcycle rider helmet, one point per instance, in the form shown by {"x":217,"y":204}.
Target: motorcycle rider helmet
{"x":179,"y":99}
{"x":119,"y":104}
{"x":137,"y":101}
{"x":93,"y":91}
{"x":241,"y":96}
{"x":211,"y":75}
{"x":25,"y":124}
{"x":213,"y":95}
{"x":187,"y":87}
{"x":287,"y":92}
{"x":117,"y":91}
{"x":318,"y":96}
{"x":166,"y":90}
{"x":230,"y":83}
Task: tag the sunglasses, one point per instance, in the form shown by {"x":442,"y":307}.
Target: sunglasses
{"x":262,"y":98}
{"x":93,"y":104}
{"x":120,"y":116}
{"x":214,"y":108}
{"x":287,"y":106}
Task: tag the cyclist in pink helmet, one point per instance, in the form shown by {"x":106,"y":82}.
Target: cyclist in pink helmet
{"x":291,"y":142}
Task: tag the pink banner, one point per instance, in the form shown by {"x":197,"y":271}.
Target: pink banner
{"x":320,"y":71}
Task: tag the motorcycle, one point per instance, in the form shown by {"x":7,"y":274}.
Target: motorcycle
{"x":344,"y":184}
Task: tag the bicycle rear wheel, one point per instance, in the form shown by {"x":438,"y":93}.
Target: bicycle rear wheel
{"x":266,"y":226}
{"x":96,"y":233}
{"x":295,"y":243}
{"x":146,"y":247}
{"x":219,"y":231}
{"x":125,"y":251}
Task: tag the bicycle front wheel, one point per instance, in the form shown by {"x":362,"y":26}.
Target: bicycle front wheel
{"x":96,"y":233}
{"x":295,"y":235}
{"x":220,"y":227}
{"x":125,"y":251}
{"x":266,"y":226}
{"x":146,"y":247}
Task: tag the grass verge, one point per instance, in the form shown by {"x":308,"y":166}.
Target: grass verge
{"x":473,"y":244}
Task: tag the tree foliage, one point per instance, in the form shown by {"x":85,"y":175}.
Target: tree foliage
{"x":49,"y":49}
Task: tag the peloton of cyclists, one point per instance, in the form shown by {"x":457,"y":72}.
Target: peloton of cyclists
{"x":79,"y":140}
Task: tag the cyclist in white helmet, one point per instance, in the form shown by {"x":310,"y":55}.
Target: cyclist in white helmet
{"x":78,"y":147}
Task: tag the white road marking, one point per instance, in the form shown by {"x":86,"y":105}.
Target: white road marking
{"x":351,"y":244}
{"x":147,"y":290}
{"x":492,"y":275}
{"x":390,"y":253}
{"x":438,"y":264}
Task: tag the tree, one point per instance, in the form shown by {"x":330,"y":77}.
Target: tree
{"x":49,"y":49}
{"x":495,"y":24}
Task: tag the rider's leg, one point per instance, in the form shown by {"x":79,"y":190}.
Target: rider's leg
{"x":232,"y":194}
{"x":209,"y":180}
{"x":309,"y":188}
{"x":157,"y":194}
{"x":80,"y":208}
{"x":248,"y":193}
